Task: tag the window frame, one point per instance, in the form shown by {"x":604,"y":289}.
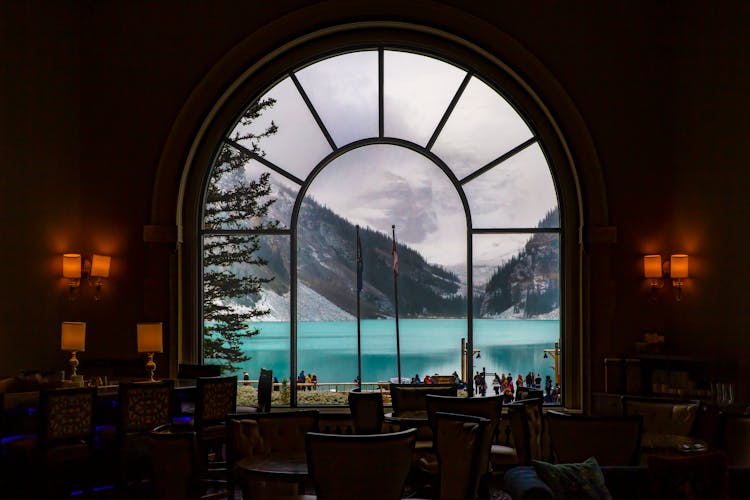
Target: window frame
{"x":495,"y":74}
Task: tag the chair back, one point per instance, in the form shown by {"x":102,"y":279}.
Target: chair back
{"x":611,"y":440}
{"x":735,"y":439}
{"x":664,"y":416}
{"x":265,"y":387}
{"x":66,"y":416}
{"x":367,"y":412}
{"x":269,"y":433}
{"x":144,"y":405}
{"x":459,"y":442}
{"x":412,"y":398}
{"x":527,"y":427}
{"x":361,"y":467}
{"x":215,"y":398}
{"x":489,"y":408}
{"x":188,"y":370}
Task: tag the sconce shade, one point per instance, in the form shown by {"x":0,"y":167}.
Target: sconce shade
{"x":149,"y":337}
{"x":100,"y":266}
{"x":652,"y":266}
{"x":678,"y":266}
{"x":73,"y":336}
{"x":72,"y":265}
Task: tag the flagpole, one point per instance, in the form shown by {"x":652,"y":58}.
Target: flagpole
{"x":360,"y":284}
{"x":394,"y":252}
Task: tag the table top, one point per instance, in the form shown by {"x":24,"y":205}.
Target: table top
{"x":410,"y":419}
{"x":278,"y":466}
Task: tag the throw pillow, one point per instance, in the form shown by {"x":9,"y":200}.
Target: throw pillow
{"x":574,"y":481}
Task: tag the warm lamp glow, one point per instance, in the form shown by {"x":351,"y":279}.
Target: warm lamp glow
{"x":149,"y":337}
{"x":678,"y":266}
{"x":73,"y":336}
{"x":73,"y":339}
{"x":72,"y":265}
{"x":100,"y":266}
{"x":652,"y":266}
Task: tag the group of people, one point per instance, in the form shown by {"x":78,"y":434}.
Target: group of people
{"x":309,"y":378}
{"x":431,"y":380}
{"x":503,"y":385}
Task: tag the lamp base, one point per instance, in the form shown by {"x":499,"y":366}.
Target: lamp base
{"x":151,"y":367}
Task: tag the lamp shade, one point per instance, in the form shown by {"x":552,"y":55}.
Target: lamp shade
{"x":100,"y":266}
{"x":73,"y":336}
{"x":652,"y":266}
{"x":149,"y":337}
{"x":72,"y":265}
{"x":678,"y":266}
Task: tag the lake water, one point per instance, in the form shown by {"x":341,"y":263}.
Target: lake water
{"x":428,"y":346}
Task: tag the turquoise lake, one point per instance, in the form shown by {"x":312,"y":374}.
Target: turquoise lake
{"x":428,"y":346}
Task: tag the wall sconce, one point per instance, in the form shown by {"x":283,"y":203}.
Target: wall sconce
{"x":95,"y":270}
{"x":99,"y":270}
{"x":678,"y":271}
{"x":73,"y":339}
{"x":149,"y":342}
{"x":676,"y":268}
{"x":71,"y":269}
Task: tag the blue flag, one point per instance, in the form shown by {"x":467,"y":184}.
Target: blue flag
{"x":360,"y":263}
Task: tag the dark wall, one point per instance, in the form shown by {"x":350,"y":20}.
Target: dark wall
{"x":90,"y":91}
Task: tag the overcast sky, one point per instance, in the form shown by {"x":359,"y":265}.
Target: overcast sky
{"x":380,"y":185}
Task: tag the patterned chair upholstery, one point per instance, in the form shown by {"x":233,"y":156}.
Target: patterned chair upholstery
{"x":57,"y":459}
{"x":143,"y":407}
{"x":215,"y":398}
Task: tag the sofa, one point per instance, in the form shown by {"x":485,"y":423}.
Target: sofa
{"x":623,"y":482}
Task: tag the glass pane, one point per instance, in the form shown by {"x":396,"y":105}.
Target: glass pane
{"x":388,"y":185}
{"x":243,"y":193}
{"x":417,"y":91}
{"x":516,"y":193}
{"x":283,"y":130}
{"x":246,"y":308}
{"x":517,"y":310}
{"x":344,"y":92}
{"x":482,"y":127}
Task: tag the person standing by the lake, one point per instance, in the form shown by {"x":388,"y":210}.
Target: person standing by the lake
{"x":496,"y":383}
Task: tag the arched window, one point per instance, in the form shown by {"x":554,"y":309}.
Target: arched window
{"x":371,"y":155}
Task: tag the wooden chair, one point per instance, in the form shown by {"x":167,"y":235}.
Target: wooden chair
{"x":367,"y":412}
{"x":611,"y":440}
{"x":266,"y":434}
{"x":361,"y":467}
{"x":58,"y":458}
{"x":410,"y":400}
{"x":215,"y":398}
{"x":460,"y":442}
{"x":526,"y":420}
{"x":143,"y":406}
{"x":176,"y":468}
{"x":489,"y":408}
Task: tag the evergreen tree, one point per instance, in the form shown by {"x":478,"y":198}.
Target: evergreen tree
{"x":234,"y":202}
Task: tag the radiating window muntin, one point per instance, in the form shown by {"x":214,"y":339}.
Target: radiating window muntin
{"x":475,"y":172}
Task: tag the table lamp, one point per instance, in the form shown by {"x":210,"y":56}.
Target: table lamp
{"x":149,"y":342}
{"x":73,"y":339}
